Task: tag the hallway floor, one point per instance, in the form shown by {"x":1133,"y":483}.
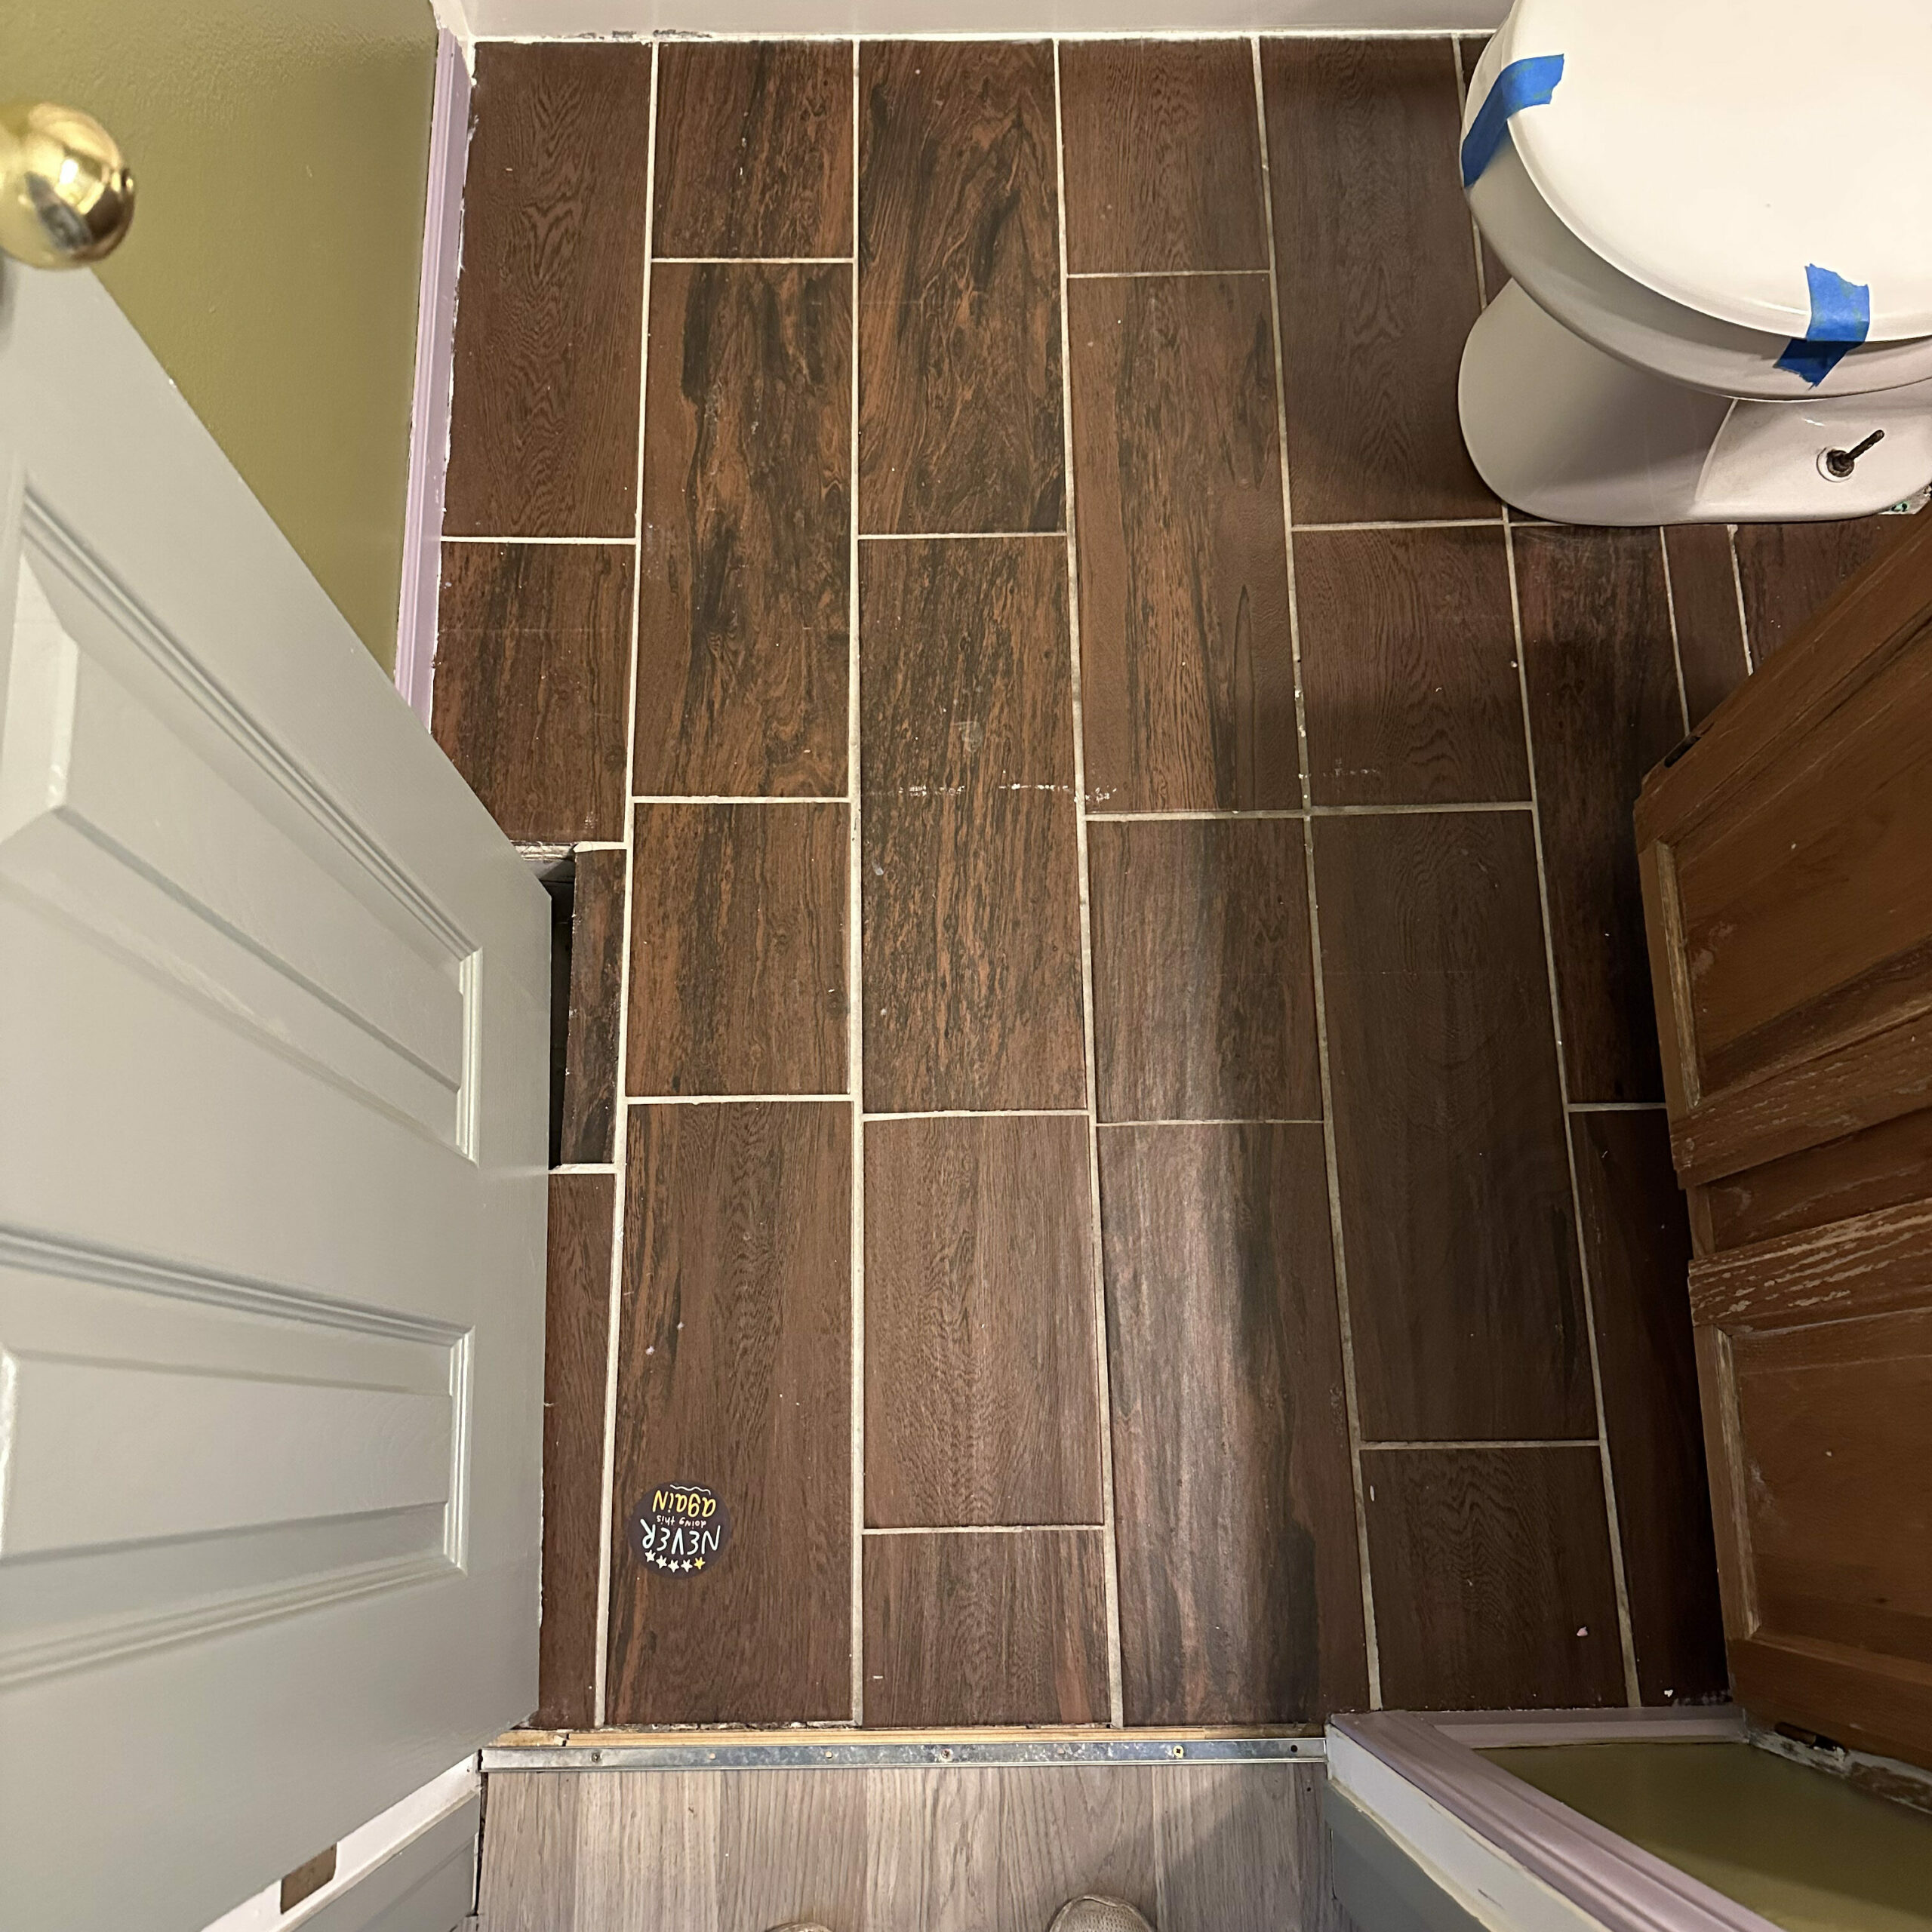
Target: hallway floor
{"x":1113,"y":1161}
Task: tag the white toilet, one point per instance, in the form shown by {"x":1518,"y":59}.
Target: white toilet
{"x":1718,"y":220}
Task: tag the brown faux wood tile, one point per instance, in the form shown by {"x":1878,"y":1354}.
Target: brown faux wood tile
{"x":738,"y":949}
{"x":1710,"y":632}
{"x":575,"y":1352}
{"x":1458,"y":1222}
{"x":1163,"y":155}
{"x":1188,"y":689}
{"x":1788,"y":570}
{"x":754,"y":148}
{"x":734,"y":1373}
{"x":970,"y":867}
{"x":1604,"y":709}
{"x":1494,"y":1587}
{"x":981,"y":1395}
{"x":1378,"y":278}
{"x":1638,"y":1243}
{"x":533,"y":664}
{"x":1408,"y":667}
{"x":597,"y":959}
{"x":985,"y":1628}
{"x":742,"y":623}
{"x":1203,"y":1004}
{"x":959,"y":375}
{"x":544,"y":415}
{"x":1240,"y":1585}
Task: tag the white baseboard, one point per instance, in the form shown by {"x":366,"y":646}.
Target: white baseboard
{"x":435,"y":342}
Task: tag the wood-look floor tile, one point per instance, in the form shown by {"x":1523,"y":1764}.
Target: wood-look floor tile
{"x":1242,"y":1850}
{"x":1494,"y":1587}
{"x":532,"y":661}
{"x":1188,"y":692}
{"x":742,"y":621}
{"x":754,"y":148}
{"x":590,"y":1055}
{"x":738,"y":949}
{"x":1163,"y":155}
{"x":981,"y":1395}
{"x":1710,"y":632}
{"x":1789,"y":570}
{"x":543,"y":413}
{"x":1638,"y":1243}
{"x":970,"y":864}
{"x":1466,"y":1311}
{"x":1408,"y":666}
{"x":959,"y":383}
{"x":983,"y":1627}
{"x":1604,"y":709}
{"x":735,"y":1373}
{"x":1204,"y":1004}
{"x":576,"y":1350}
{"x":1378,"y":278}
{"x":1240,"y":1588}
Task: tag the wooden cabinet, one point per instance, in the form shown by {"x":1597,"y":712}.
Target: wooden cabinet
{"x":1786,"y":857}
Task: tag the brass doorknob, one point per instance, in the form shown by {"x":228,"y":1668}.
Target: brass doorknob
{"x":66,"y":196}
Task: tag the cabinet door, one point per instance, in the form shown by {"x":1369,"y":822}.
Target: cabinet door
{"x":1786,"y":856}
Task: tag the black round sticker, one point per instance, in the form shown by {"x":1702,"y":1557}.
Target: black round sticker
{"x":680,"y":1528}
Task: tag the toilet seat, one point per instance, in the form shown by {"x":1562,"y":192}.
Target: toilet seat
{"x":1708,"y":153}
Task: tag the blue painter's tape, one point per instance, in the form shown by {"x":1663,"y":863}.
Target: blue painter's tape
{"x":1841,"y":319}
{"x":1522,"y":84}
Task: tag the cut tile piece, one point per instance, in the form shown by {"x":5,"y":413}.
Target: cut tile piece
{"x":982,"y":1627}
{"x":1710,"y":633}
{"x":1163,"y":156}
{"x":982,"y":1394}
{"x":1789,"y":570}
{"x":543,"y":413}
{"x":734,"y":1374}
{"x":1493,"y":1589}
{"x":597,"y":961}
{"x":1188,"y":688}
{"x":970,"y":868}
{"x":754,"y":148}
{"x":738,"y":950}
{"x":741,"y":679}
{"x":1604,"y":709}
{"x":1457,"y":1222}
{"x":1408,"y":667}
{"x":1242,"y":1849}
{"x":575,"y":1360}
{"x":959,"y":382}
{"x":1204,"y":1004}
{"x":1378,"y":278}
{"x":532,"y":659}
{"x":1240,"y":1583}
{"x":1638,"y":1243}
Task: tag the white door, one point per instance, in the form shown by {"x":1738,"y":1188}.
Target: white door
{"x":273,"y":992}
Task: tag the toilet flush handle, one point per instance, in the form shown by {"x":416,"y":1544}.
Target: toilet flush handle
{"x":1838,"y":464}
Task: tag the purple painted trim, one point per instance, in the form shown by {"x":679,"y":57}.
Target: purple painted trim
{"x":436,"y":343}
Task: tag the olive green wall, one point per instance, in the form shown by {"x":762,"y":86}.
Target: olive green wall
{"x":279,"y":149}
{"x":1799,"y":1845}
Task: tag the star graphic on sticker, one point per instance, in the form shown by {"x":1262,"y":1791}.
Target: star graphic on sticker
{"x":685,"y":1566}
{"x":700,"y":1563}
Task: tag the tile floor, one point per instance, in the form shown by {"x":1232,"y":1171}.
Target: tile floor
{"x":1112,"y":1120}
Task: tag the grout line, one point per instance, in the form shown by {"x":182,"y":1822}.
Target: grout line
{"x":1615,"y":1106}
{"x":597,"y":845}
{"x":1321,"y":811}
{"x":984,"y":1113}
{"x":1116,"y":1702}
{"x":620,"y":1122}
{"x":1351,"y":1400}
{"x":626,"y":541}
{"x":1508,"y":1442}
{"x":855,"y":1001}
{"x":727,"y":1099}
{"x":1631,"y":1689}
{"x":739,"y":798}
{"x":1676,"y":647}
{"x":585,"y":1167}
{"x":1152,"y":275}
{"x":1404,"y":523}
{"x":956,"y":536}
{"x":753,"y":261}
{"x":987,"y":1529}
{"x":1737,"y":585}
{"x":1218,"y":1120}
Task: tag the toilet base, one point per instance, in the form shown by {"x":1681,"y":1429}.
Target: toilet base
{"x":1559,"y":429}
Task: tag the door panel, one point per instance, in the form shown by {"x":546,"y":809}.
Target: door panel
{"x":273,"y":1024}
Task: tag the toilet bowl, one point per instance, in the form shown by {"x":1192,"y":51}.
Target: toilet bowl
{"x":1717,"y":222}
